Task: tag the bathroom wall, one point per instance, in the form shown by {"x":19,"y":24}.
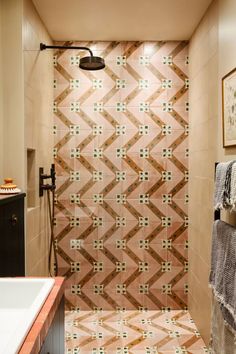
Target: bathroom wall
{"x":203,"y":116}
{"x":212,"y":55}
{"x":121,"y":152}
{"x":12,"y":91}
{"x":38,"y":99}
{"x":1,"y":100}
{"x":227,"y":52}
{"x":26,"y":96}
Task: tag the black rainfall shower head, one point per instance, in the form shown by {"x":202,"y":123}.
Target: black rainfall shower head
{"x":92,"y":63}
{"x":86,"y":63}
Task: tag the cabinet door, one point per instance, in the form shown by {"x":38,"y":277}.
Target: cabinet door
{"x":55,"y":340}
{"x":12,"y":239}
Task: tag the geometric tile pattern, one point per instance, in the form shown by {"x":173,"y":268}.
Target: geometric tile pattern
{"x":132,"y":332}
{"x":121,"y":155}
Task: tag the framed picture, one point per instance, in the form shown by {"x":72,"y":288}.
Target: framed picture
{"x":229,"y":108}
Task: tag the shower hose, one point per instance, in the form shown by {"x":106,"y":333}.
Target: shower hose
{"x":52,"y":246}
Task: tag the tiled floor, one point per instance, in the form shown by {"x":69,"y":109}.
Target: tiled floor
{"x":132,"y":332}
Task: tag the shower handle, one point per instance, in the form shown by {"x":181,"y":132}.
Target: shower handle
{"x":43,"y":176}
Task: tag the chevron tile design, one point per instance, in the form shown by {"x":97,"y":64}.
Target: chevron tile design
{"x":121,"y":154}
{"x":132,"y":332}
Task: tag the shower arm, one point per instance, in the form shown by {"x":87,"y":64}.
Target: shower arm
{"x":44,"y":46}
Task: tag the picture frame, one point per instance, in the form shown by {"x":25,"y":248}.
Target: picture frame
{"x":229,"y":109}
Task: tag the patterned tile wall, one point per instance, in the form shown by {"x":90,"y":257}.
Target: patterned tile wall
{"x":121,"y":153}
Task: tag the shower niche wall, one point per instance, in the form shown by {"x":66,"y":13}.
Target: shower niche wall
{"x":121,"y":155}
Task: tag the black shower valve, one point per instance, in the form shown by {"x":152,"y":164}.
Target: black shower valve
{"x":48,"y":187}
{"x":43,"y":176}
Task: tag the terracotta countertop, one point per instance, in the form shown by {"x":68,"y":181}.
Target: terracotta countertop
{"x":38,"y":332}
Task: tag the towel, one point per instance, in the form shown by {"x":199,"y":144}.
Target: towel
{"x":227,"y":188}
{"x":233,"y":187}
{"x":221,"y":170}
{"x":229,"y":319}
{"x":223,"y":270}
{"x":223,"y":340}
{"x":224,"y":188}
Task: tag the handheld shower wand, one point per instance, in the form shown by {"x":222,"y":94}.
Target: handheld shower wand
{"x":52,"y":245}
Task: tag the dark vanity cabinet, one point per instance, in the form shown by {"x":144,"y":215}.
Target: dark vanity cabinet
{"x":12,"y":245}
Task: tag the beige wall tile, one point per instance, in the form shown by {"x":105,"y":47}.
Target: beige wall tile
{"x":1,"y":100}
{"x":196,"y":309}
{"x":212,"y":53}
{"x":204,"y":118}
{"x":199,"y":268}
{"x":13,"y":92}
{"x":227,"y":52}
{"x":200,"y":305}
{"x":36,"y":250}
{"x":38,"y":78}
{"x":26,"y":96}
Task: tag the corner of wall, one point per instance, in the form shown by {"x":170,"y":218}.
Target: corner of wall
{"x":203,"y":142}
{"x":38,"y":144}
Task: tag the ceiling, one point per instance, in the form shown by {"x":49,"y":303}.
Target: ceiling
{"x":118,"y":20}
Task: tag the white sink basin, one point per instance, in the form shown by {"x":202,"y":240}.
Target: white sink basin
{"x":20,"y":301}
